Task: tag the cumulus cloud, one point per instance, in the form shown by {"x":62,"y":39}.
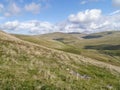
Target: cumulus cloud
{"x":87,"y":1}
{"x":10,"y":25}
{"x":14,"y":9}
{"x":1,"y":7}
{"x":116,"y":3}
{"x":86,"y":16}
{"x":11,"y":10}
{"x":92,"y":21}
{"x":87,"y":21}
{"x":33,"y":7}
{"x":115,"y":12}
{"x":83,"y":2}
{"x":20,"y":7}
{"x":7,"y":14}
{"x":33,"y":27}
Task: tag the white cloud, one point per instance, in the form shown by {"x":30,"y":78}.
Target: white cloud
{"x":7,"y":14}
{"x":95,"y":26}
{"x":33,"y":7}
{"x":92,"y":21}
{"x":1,"y":7}
{"x":86,"y":16}
{"x":33,"y":27}
{"x":88,"y":1}
{"x":88,"y":20}
{"x":116,"y":3}
{"x":115,"y":12}
{"x":10,"y":25}
{"x":12,"y":9}
{"x":83,"y":2}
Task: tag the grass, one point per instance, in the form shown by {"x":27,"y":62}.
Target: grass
{"x":41,"y":41}
{"x":25,"y":66}
{"x":71,"y":49}
{"x":50,"y":43}
{"x":104,"y":47}
{"x":77,"y":44}
{"x":111,"y":52}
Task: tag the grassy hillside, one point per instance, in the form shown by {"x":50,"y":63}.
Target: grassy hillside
{"x":107,"y":44}
{"x":102,"y":46}
{"x":51,"y":41}
{"x":32,"y":66}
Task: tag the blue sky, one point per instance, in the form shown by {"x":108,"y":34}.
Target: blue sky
{"x":45,"y":16}
{"x":58,"y":10}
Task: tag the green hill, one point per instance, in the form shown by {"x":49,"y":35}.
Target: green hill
{"x":39,"y":63}
{"x":95,"y":45}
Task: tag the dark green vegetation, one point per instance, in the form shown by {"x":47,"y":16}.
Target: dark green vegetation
{"x":45,"y":63}
{"x":104,"y":47}
{"x":92,"y":36}
{"x":111,"y":50}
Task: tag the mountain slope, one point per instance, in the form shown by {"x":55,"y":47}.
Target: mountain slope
{"x":48,"y":41}
{"x":25,"y":65}
{"x":95,"y":45}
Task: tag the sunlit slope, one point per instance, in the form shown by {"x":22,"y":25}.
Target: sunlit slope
{"x":50,"y":40}
{"x":62,"y":37}
{"x":41,"y":41}
{"x":95,"y":46}
{"x":110,"y":37}
{"x":5,"y":36}
{"x":102,"y":38}
{"x":27,"y":66}
{"x":103,"y":46}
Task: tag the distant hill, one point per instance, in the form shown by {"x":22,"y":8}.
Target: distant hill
{"x":74,"y":33}
{"x":75,"y":43}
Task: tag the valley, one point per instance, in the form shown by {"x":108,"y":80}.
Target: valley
{"x":60,"y":61}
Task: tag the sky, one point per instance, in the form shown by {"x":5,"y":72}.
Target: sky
{"x":47,"y":16}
